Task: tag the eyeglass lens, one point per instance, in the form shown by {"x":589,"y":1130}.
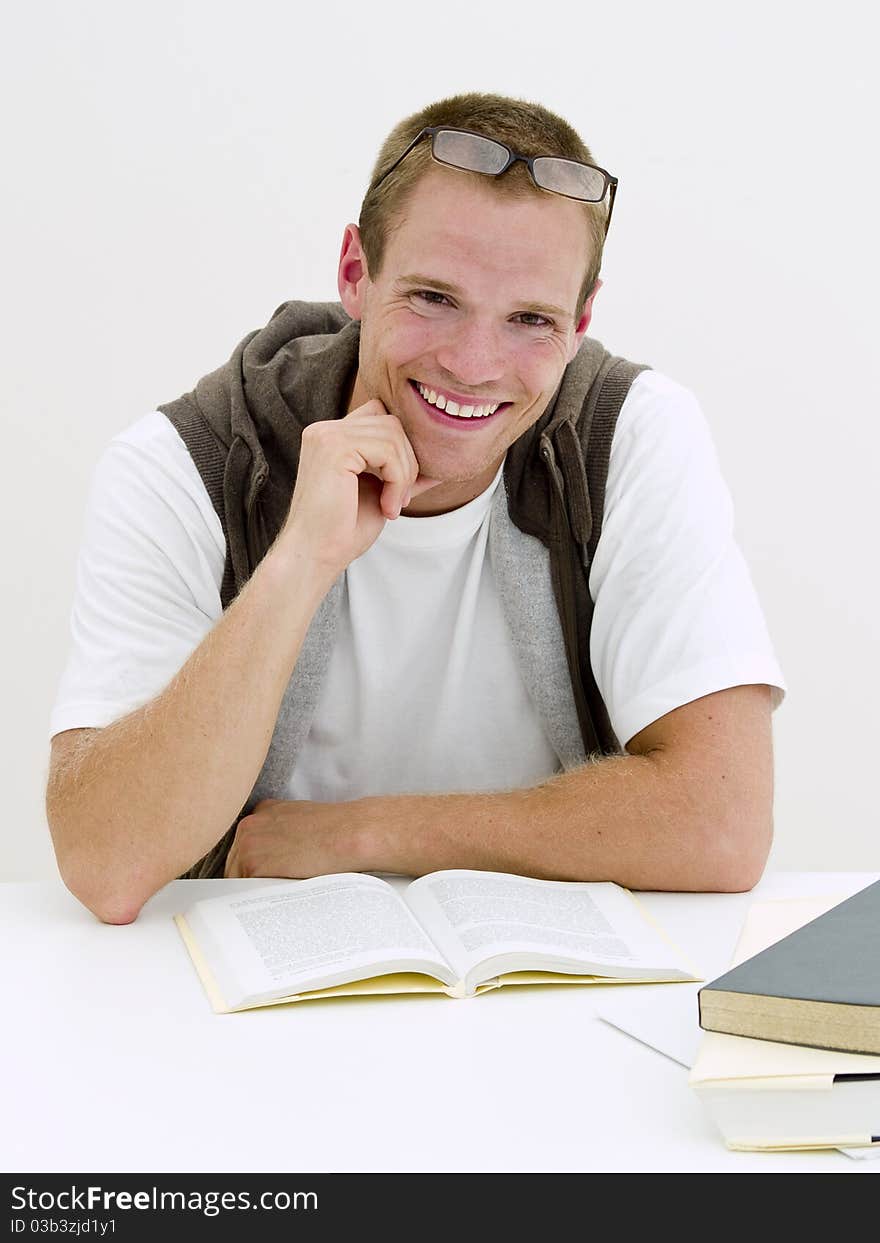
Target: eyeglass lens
{"x":570,"y":178}
{"x":479,"y":155}
{"x":483,"y":155}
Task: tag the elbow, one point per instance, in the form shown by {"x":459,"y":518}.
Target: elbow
{"x":737,"y":878}
{"x":110,"y":911}
{"x":737,"y":852}
{"x":92,"y":882}
{"x":110,"y":904}
{"x":112,"y":915}
{"x":85,"y":861}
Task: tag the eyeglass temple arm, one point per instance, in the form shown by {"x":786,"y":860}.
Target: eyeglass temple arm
{"x":388,"y":171}
{"x":611,"y":198}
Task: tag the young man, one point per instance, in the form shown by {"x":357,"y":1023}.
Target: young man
{"x":393,"y":684}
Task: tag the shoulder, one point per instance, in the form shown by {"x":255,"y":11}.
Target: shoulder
{"x":146,"y":479}
{"x":151,"y":452}
{"x":658,"y":409}
{"x":153,"y":438}
{"x":665,"y":493}
{"x":662,"y":443}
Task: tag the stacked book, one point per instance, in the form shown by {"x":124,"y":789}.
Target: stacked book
{"x":791,"y":1054}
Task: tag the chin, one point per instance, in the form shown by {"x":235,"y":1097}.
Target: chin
{"x":453,"y":473}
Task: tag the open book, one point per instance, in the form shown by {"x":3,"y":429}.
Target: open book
{"x":456,"y":932}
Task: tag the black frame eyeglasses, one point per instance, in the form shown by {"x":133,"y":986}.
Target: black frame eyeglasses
{"x":475,"y":153}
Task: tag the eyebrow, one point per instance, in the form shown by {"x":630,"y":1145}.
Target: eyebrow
{"x":541,"y":308}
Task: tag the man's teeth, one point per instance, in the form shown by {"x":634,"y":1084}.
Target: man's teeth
{"x":452,"y":407}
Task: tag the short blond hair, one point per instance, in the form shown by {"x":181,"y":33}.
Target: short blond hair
{"x":526,"y":127}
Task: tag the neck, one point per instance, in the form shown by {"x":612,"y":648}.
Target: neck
{"x":449,"y":495}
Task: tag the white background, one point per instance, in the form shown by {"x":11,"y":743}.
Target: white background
{"x":174,"y":171}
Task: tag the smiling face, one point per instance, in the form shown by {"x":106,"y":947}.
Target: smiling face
{"x":474,"y":306}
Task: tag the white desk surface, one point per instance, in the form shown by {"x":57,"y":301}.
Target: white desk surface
{"x":114,"y":1062}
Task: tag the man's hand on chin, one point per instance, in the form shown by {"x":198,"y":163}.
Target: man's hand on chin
{"x":297,"y":839}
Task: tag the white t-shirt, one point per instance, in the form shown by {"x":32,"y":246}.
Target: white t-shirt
{"x":424,"y":691}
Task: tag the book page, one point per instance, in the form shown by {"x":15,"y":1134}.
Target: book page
{"x":503,"y":922}
{"x":307,"y":934}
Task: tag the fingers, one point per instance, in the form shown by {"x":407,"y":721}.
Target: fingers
{"x":338,"y":509}
{"x":422,"y":484}
{"x":374,"y":442}
{"x":387,"y":453}
{"x":396,"y":495}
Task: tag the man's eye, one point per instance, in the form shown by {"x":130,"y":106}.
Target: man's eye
{"x":530,"y":319}
{"x":429,"y":295}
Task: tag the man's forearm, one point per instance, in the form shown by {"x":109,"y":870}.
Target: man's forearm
{"x":638,"y":820}
{"x":147,"y":796}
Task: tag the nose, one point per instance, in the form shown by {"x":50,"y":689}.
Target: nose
{"x":473,"y":354}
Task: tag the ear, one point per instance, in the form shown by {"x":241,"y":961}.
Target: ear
{"x":352,"y":277}
{"x":584,"y":322}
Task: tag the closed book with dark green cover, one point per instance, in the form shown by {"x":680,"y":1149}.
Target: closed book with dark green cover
{"x":818,"y":986}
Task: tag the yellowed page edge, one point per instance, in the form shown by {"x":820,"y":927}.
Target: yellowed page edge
{"x":380,"y":986}
{"x":844,"y":1141}
{"x":203,"y":971}
{"x":401,"y":983}
{"x":559,"y":977}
